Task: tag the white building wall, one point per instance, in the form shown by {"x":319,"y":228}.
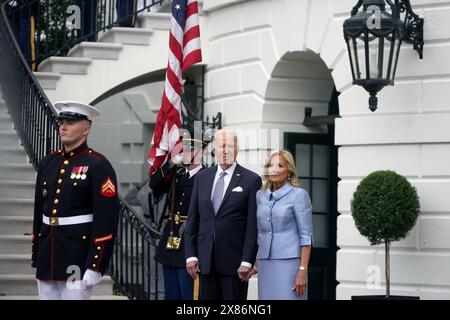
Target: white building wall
{"x":247,"y":43}
{"x":245,"y":54}
{"x":409,"y":134}
{"x":123,"y":132}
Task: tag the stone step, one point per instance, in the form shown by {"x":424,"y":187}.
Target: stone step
{"x":16,"y":207}
{"x":15,"y":263}
{"x":17,"y":171}
{"x":65,"y":65}
{"x":17,"y":189}
{"x":47,"y":80}
{"x":154,"y":20}
{"x":25,"y":284}
{"x":96,"y":50}
{"x":9,"y":138}
{"x":6,"y":123}
{"x":18,"y":284}
{"x":19,"y":244}
{"x":127,"y":36}
{"x":16,"y":225}
{"x":13,"y":154}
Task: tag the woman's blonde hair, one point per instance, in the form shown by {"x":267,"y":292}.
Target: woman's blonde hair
{"x":291,"y":166}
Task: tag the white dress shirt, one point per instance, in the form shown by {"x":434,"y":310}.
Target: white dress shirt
{"x":226,"y":179}
{"x":226,"y":182}
{"x":193,"y":171}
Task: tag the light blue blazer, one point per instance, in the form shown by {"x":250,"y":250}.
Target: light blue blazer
{"x":284,"y":220}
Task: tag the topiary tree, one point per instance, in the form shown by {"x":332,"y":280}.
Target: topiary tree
{"x":385,"y":207}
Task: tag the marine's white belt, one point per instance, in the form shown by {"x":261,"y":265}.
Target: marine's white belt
{"x":65,"y":221}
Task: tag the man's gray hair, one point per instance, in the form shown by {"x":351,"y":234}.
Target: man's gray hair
{"x":228,"y":133}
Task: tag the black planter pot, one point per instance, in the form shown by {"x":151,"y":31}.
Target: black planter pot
{"x":383,"y":297}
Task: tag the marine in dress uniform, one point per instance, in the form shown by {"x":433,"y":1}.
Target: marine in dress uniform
{"x":170,"y":252}
{"x":76,"y":211}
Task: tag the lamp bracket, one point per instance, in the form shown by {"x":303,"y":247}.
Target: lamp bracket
{"x":215,"y":123}
{"x":413,"y":25}
{"x":356,"y":7}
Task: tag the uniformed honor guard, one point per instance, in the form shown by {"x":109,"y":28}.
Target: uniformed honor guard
{"x":177,"y":180}
{"x":126,"y":12}
{"x":89,"y":19}
{"x":76,"y":211}
{"x":24,"y":21}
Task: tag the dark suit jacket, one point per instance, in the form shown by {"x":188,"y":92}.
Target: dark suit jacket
{"x":232,"y":231}
{"x":55,"y":248}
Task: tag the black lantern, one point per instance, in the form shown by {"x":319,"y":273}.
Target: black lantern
{"x":374,"y":37}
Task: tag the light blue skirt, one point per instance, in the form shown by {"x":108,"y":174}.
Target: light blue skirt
{"x":276,"y":279}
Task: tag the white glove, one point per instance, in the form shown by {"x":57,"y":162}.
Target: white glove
{"x":91,"y":278}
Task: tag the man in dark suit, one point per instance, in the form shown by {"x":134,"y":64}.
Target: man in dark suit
{"x":177,"y":180}
{"x":221,"y":230}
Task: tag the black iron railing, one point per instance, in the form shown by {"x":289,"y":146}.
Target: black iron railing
{"x":134,"y":271}
{"x":55,"y":26}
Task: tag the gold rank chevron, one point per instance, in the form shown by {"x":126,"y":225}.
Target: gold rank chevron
{"x":108,"y":185}
{"x":108,"y":189}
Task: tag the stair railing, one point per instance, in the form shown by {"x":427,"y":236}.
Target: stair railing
{"x":133,"y":269}
{"x":32,"y":113}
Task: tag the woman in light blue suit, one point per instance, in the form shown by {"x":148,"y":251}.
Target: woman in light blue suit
{"x":284,"y":220}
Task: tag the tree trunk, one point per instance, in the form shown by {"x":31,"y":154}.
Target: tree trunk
{"x":387,"y":270}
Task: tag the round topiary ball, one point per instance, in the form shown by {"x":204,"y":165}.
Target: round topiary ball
{"x":385,"y":207}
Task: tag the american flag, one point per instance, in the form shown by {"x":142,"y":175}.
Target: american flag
{"x":185,"y":50}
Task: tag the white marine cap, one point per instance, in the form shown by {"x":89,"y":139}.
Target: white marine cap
{"x":75,"y":110}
